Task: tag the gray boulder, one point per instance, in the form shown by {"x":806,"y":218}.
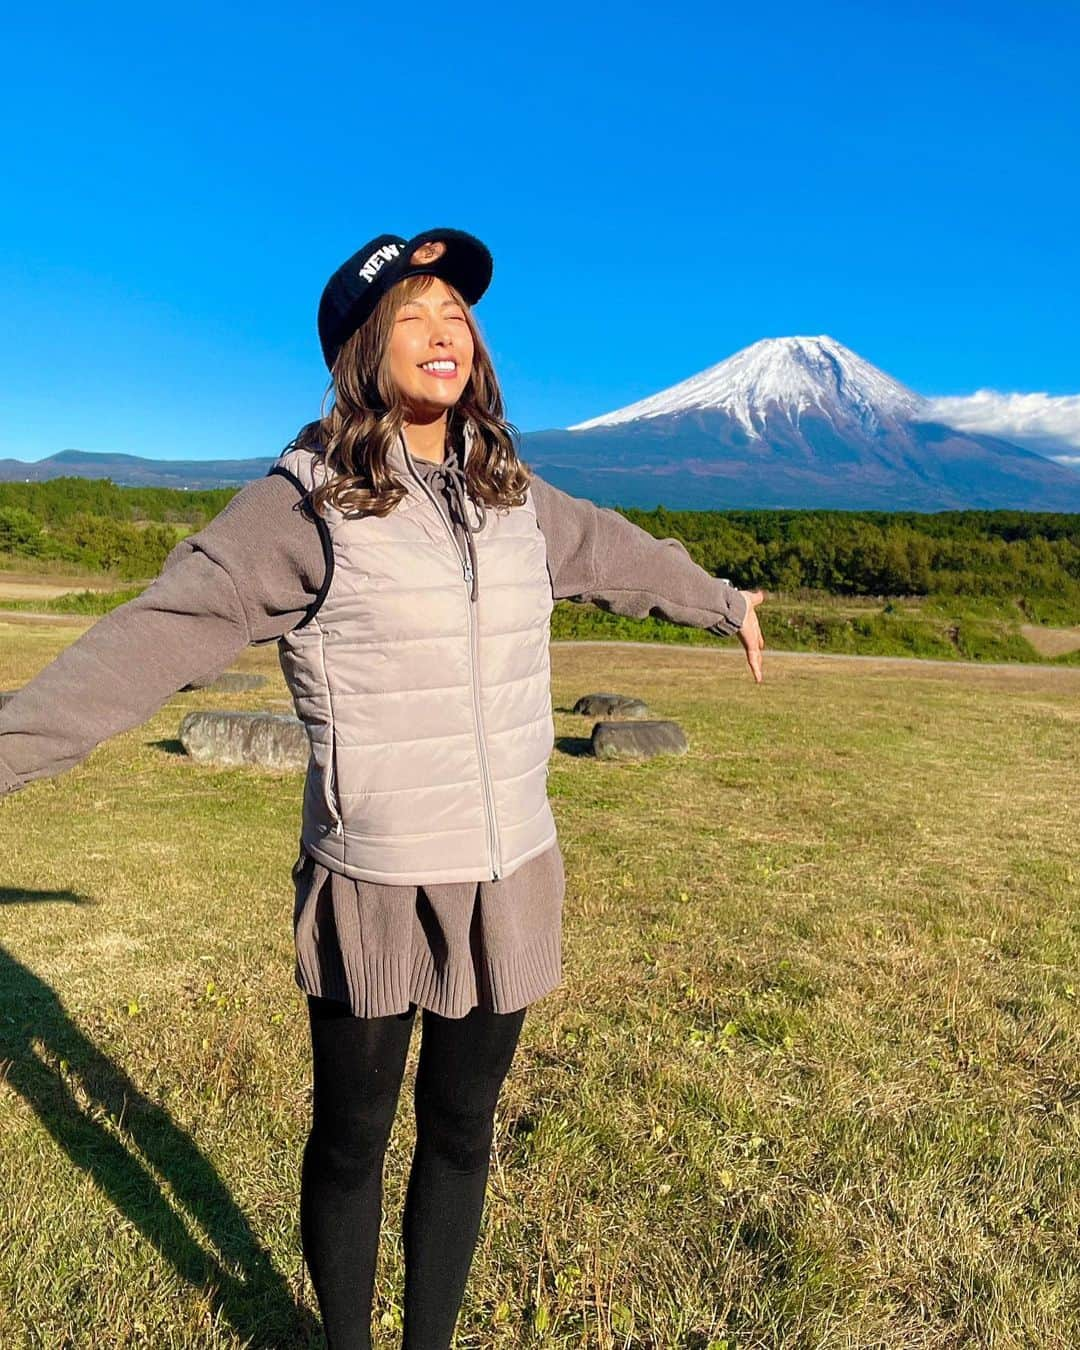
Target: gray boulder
{"x":264,"y":740}
{"x":637,"y":740}
{"x":610,"y":705}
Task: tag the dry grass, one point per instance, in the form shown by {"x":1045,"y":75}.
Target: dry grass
{"x":812,"y":1077}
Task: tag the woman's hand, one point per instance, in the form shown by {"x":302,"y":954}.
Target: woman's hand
{"x":750,"y":632}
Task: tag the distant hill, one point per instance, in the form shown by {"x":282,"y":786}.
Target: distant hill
{"x":136,"y":471}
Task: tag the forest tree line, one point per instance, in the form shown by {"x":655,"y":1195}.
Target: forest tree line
{"x":93,"y":523}
{"x":886,"y":553}
{"x":128,"y":531}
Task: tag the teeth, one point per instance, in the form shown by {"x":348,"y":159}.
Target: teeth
{"x":439,"y":365}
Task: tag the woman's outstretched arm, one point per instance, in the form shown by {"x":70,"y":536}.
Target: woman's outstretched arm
{"x":247,"y":576}
{"x":597,"y":555}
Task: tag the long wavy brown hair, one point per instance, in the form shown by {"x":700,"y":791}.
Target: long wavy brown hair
{"x":367,"y":414}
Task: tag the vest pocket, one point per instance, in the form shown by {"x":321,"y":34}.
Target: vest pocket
{"x":330,"y":783}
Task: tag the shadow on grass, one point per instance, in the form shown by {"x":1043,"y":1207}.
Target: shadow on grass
{"x":577,"y":746}
{"x":169,"y":745}
{"x":256,"y":1301}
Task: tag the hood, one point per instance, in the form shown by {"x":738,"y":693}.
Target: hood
{"x":448,"y":481}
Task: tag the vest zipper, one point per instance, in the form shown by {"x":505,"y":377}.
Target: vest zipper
{"x":496,"y":861}
{"x":467,"y":575}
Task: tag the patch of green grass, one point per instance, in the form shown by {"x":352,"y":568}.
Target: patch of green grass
{"x":855,"y":626}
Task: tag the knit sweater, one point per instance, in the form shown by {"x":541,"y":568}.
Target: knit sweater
{"x":249,"y":576}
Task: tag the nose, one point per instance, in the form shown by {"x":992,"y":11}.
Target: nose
{"x":442,"y":333}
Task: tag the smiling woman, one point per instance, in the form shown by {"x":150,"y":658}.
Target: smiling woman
{"x":429,"y":853}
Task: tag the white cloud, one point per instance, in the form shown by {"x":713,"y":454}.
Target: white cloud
{"x":1043,"y":422}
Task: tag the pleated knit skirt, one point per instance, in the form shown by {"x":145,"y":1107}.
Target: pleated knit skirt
{"x":447,"y":947}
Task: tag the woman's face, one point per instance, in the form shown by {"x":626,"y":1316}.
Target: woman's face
{"x":432,"y":328}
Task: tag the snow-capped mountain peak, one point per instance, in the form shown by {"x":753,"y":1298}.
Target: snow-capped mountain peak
{"x":788,"y":376}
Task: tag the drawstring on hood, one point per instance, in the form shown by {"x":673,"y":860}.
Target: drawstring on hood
{"x":449,"y":477}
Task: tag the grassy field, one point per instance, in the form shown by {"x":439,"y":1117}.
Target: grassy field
{"x":812,"y":1078}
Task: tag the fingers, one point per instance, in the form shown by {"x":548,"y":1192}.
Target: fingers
{"x":754,"y":654}
{"x":755,"y":645}
{"x":750,"y":634}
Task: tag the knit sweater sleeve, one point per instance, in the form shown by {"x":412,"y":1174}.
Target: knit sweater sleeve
{"x":250,"y":575}
{"x":596,"y":555}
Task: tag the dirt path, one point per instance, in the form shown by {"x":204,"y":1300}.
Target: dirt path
{"x":30,"y":586}
{"x":1051,"y":641}
{"x":35,"y":616}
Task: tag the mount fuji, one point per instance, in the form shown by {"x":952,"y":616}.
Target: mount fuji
{"x":795,"y":422}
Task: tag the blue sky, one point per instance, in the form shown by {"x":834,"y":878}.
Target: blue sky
{"x":659,"y":185}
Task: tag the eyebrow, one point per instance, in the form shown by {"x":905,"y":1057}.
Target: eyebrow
{"x":420,"y":302}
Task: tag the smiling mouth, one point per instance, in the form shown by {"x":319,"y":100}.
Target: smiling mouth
{"x":442,"y":369}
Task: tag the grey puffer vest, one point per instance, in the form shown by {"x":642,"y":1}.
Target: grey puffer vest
{"x":422,"y":676}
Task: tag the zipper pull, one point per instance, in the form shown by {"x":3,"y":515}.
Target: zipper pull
{"x":339,"y":829}
{"x":468,"y":570}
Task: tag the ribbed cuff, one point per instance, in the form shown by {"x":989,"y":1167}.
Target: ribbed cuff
{"x":732,"y":614}
{"x":9,"y":780}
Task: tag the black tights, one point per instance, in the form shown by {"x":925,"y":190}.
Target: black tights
{"x":358,"y":1063}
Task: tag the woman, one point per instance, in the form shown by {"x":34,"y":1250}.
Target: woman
{"x":406,"y":562}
